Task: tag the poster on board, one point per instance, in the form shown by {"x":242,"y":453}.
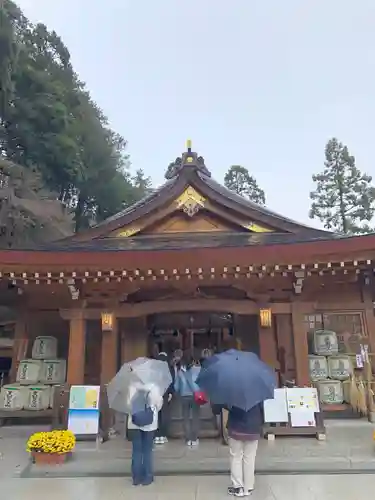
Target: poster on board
{"x":276,"y":410}
{"x":302,"y":398}
{"x":84,"y":413}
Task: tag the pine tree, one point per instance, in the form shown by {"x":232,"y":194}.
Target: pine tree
{"x":344,"y":198}
{"x":239,"y":180}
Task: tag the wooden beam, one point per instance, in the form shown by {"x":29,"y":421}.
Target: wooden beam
{"x":301,"y":350}
{"x":154,"y":307}
{"x":77,"y":348}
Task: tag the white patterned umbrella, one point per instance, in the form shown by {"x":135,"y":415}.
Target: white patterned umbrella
{"x":144,"y":371}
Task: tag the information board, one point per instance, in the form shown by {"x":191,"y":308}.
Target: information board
{"x":276,"y":410}
{"x":302,"y":398}
{"x":84,"y":413}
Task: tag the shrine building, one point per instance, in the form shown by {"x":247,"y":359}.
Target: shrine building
{"x":192,"y":266}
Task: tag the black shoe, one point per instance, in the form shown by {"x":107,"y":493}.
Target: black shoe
{"x":235,"y":492}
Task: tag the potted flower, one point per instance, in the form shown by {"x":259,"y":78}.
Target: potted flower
{"x":51,"y":447}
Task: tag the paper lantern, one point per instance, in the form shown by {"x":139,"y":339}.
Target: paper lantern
{"x":107,"y":322}
{"x":265,"y":318}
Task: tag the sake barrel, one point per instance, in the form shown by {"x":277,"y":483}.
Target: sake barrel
{"x":13,"y":397}
{"x":318,"y":368}
{"x":38,"y":397}
{"x":325,"y":343}
{"x":330,"y":392}
{"x":340,"y":367}
{"x":53,"y":371}
{"x":29,"y":371}
{"x":44,"y":348}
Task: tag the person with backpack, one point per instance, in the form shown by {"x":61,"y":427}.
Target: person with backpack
{"x":145,"y":402}
{"x":186,"y":387}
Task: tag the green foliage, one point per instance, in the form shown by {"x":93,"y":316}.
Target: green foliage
{"x":48,"y":121}
{"x":344,"y":198}
{"x":239,"y":180}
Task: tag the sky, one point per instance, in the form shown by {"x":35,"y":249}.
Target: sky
{"x":260,"y":83}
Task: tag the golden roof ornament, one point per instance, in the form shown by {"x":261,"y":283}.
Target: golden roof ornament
{"x":190,"y":160}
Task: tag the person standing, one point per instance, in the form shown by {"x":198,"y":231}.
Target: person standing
{"x":142,"y":436}
{"x":186,"y":387}
{"x":244,"y":431}
{"x":161,"y":436}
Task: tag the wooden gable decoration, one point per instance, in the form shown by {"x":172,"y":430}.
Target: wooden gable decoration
{"x":191,"y":212}
{"x":192,"y":202}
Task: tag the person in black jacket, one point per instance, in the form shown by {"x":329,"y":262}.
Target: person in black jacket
{"x":164,"y":413}
{"x":244,"y":431}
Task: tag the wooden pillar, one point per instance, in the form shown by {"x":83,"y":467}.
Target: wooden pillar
{"x":77,"y":348}
{"x":109,"y":354}
{"x":369,"y":320}
{"x":268,"y":347}
{"x":301,"y":349}
{"x":20,"y":346}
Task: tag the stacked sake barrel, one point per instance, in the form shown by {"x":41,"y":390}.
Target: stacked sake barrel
{"x":328,"y":368}
{"x":36,"y":378}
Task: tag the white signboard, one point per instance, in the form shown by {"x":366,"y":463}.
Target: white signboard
{"x":276,"y":410}
{"x":302,"y":418}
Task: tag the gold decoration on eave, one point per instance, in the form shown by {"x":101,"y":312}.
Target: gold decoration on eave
{"x":126,"y":233}
{"x":190,"y":201}
{"x":256,"y":228}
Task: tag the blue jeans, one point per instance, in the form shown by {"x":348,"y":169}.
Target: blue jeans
{"x":142,"y":466}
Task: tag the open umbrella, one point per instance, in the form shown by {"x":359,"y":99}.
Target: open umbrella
{"x":237,"y":379}
{"x":142,"y":371}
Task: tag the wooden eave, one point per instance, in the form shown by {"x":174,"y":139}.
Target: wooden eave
{"x":355,"y":252}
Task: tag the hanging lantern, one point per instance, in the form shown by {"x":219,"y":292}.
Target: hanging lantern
{"x":265,"y":318}
{"x":107,"y":322}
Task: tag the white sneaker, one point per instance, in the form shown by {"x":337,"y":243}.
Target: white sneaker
{"x":236,"y":492}
{"x":157,"y":440}
{"x":195,"y":443}
{"x":189,"y":443}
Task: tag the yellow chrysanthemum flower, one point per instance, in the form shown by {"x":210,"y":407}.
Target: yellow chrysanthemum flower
{"x":51,"y":442}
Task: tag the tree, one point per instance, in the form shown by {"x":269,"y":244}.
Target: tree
{"x":344,"y":198}
{"x":239,"y":180}
{"x":142,"y":183}
{"x":50,"y":123}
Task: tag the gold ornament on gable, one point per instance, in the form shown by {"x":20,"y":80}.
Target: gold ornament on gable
{"x":126,"y":233}
{"x":256,"y":228}
{"x":190,"y":201}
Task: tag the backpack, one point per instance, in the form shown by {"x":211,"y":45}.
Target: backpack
{"x":142,"y":414}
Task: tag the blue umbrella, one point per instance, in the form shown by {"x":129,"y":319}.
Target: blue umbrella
{"x":237,"y":379}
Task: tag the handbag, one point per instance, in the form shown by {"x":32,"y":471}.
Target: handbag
{"x":142,"y":414}
{"x":200,"y":398}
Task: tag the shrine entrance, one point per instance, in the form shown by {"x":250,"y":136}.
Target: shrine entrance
{"x":195,"y":333}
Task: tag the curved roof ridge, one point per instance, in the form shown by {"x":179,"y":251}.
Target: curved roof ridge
{"x":224,"y":191}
